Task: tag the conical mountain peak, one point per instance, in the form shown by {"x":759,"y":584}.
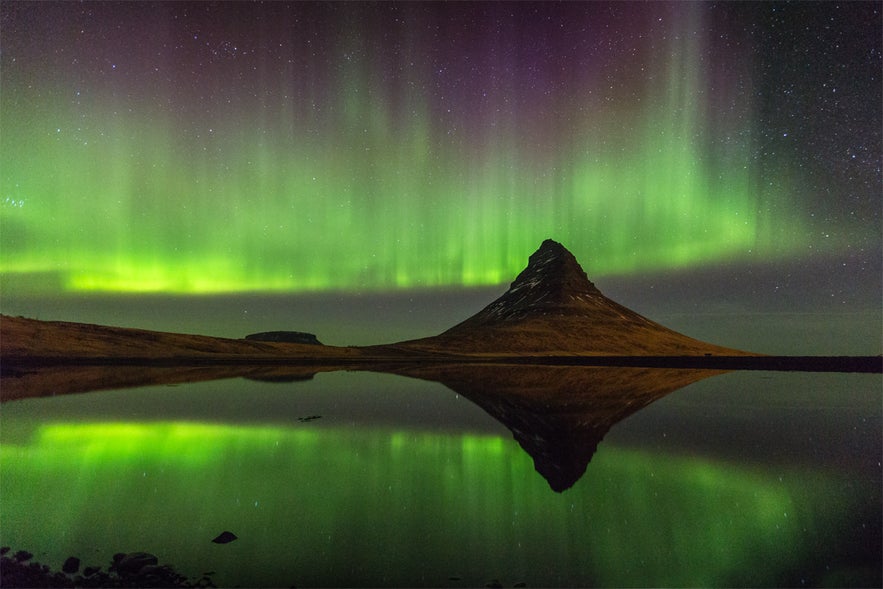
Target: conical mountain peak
{"x":552,"y":307}
{"x":552,"y":269}
{"x":552,"y":279}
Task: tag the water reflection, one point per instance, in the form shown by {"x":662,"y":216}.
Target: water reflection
{"x":54,"y":380}
{"x":427,"y":501}
{"x":558,"y":414}
{"x":380,"y":507}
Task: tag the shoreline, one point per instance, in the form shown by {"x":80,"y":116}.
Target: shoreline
{"x":858,"y":364}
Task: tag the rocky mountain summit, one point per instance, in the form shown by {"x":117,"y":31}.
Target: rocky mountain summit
{"x":552,"y":284}
{"x":553,"y":308}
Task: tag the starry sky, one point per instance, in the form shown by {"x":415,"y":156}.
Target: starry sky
{"x":402,"y":160}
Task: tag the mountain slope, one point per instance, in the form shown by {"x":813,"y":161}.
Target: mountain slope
{"x":31,"y":339}
{"x":553,"y":308}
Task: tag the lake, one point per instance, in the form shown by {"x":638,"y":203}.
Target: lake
{"x":465,"y":476}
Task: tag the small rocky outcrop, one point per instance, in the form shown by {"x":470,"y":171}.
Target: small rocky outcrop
{"x":288,"y":337}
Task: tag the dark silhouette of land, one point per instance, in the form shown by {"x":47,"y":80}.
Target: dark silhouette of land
{"x":550,"y":315}
{"x":552,"y":308}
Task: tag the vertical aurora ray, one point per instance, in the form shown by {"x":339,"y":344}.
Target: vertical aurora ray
{"x":380,"y":157}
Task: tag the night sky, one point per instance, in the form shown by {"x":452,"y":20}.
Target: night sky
{"x":174,"y":164}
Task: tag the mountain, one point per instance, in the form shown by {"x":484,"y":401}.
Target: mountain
{"x":552,"y":308}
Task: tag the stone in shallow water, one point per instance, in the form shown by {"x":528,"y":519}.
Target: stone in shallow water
{"x":23,"y":556}
{"x":71,"y":565}
{"x":225,"y":537}
{"x":132,"y":563}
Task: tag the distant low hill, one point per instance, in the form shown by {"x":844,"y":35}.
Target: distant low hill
{"x":553,"y":308}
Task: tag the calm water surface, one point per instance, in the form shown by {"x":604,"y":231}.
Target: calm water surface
{"x":362,"y":479}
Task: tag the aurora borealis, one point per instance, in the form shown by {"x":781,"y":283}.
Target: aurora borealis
{"x":380,"y":171}
{"x":231,"y":147}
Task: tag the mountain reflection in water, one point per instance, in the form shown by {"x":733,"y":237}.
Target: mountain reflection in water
{"x":558,"y":414}
{"x":764,"y":479}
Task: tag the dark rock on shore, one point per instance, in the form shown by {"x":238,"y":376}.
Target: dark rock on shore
{"x":133,"y":562}
{"x":136,"y":569}
{"x":71,"y":565}
{"x":289,"y":337}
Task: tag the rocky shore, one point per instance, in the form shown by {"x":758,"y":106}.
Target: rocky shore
{"x":134,"y":569}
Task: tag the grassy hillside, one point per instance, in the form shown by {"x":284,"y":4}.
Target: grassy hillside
{"x":30,"y":338}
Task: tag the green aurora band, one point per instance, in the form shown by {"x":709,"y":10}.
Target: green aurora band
{"x":110,"y":191}
{"x":391,"y":507}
